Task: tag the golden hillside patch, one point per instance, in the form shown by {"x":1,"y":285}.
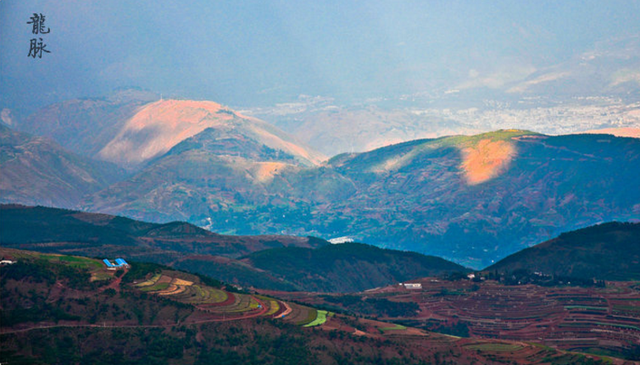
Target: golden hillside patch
{"x":486,"y":160}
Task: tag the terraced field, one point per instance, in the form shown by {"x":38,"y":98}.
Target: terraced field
{"x":213,"y":304}
{"x":569,"y":318}
{"x":603,"y":320}
{"x":524,"y":353}
{"x":226,"y":306}
{"x":321,"y":318}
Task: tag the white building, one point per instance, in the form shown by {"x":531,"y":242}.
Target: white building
{"x":412,"y":286}
{"x":339,"y":240}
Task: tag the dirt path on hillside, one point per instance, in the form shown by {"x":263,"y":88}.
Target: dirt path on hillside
{"x":115,"y":285}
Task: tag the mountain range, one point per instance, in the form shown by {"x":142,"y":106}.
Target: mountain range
{"x":471,"y":199}
{"x":484,"y":196}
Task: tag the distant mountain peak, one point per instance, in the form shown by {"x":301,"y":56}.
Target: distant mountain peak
{"x":133,"y":127}
{"x":159,"y":126}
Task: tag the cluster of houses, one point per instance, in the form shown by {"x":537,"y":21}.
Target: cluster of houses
{"x":119,"y":263}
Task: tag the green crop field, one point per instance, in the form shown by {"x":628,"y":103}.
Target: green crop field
{"x":312,"y":314}
{"x":397,"y":327}
{"x":591,"y":324}
{"x":216,"y":295}
{"x":242,"y":304}
{"x":496,"y":347}
{"x":78,"y":262}
{"x":320,"y":319}
{"x":273,"y":307}
{"x":156,"y":287}
{"x":81,"y":262}
{"x":585,"y":307}
{"x":197,"y":294}
{"x":254,"y":304}
{"x":626,"y":308}
{"x":151,"y":281}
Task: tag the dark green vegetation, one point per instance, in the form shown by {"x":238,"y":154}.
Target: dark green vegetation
{"x":377,"y":307}
{"x":224,"y":344}
{"x":99,"y":235}
{"x":348,"y":267}
{"x":38,"y":289}
{"x":525,"y":276}
{"x":471,"y":199}
{"x":609,"y":251}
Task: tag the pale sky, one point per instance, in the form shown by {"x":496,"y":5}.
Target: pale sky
{"x":247,"y":53}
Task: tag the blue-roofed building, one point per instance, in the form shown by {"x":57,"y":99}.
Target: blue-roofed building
{"x":110,"y":266}
{"x":118,"y":264}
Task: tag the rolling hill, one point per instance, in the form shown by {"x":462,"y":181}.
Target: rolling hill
{"x":348,"y":267}
{"x":37,"y":170}
{"x":218,"y":169}
{"x":89,"y":234}
{"x":279,"y":263}
{"x":609,"y":251}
